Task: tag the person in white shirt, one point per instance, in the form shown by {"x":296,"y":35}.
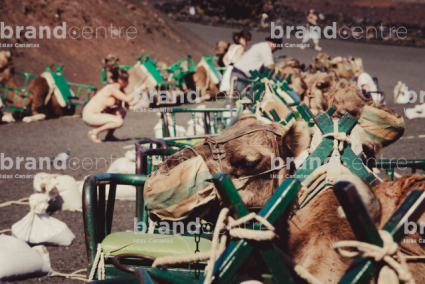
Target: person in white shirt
{"x":234,"y":53}
{"x":364,"y":80}
{"x":258,"y":56}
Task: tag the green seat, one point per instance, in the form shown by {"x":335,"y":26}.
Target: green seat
{"x":155,"y":245}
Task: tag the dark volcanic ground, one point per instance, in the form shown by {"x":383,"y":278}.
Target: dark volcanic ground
{"x":48,"y":138}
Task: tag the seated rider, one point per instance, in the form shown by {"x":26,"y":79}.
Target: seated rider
{"x":104,"y":110}
{"x":256,"y":58}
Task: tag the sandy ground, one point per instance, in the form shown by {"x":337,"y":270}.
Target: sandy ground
{"x":48,"y":138}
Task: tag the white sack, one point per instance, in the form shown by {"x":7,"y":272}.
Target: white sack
{"x":37,"y":227}
{"x":20,"y":261}
{"x":61,"y":189}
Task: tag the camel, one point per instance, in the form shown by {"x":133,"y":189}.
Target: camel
{"x":320,"y":62}
{"x":250,"y":154}
{"x":40,"y":107}
{"x":391,"y":194}
{"x":291,"y":66}
{"x":220,"y":50}
{"x":194,"y":81}
{"x":200,"y":81}
{"x":110,"y":64}
{"x":318,"y":88}
{"x":341,"y":67}
{"x":314,"y":229}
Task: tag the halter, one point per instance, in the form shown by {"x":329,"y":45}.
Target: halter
{"x":219,"y":153}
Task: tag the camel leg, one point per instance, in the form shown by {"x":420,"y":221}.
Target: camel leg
{"x":7,"y":117}
{"x":35,"y":117}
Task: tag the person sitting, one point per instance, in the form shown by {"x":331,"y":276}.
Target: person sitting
{"x":257,"y":57}
{"x":234,"y":53}
{"x":104,"y":112}
{"x":364,"y":80}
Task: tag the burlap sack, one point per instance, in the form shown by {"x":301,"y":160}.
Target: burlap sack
{"x":185,"y":190}
{"x":381,"y":125}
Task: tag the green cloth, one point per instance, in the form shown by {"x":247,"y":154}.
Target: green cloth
{"x":155,"y":245}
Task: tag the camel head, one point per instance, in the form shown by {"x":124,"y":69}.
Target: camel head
{"x":111,"y":62}
{"x":220,"y":51}
{"x":318,"y":87}
{"x":6,"y":65}
{"x":320,"y":62}
{"x":349,"y":100}
{"x":111,"y":65}
{"x":221,"y":48}
{"x":251,"y":154}
{"x":356,"y":65}
{"x":341,"y":67}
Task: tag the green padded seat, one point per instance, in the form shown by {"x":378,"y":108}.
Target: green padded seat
{"x":155,"y":245}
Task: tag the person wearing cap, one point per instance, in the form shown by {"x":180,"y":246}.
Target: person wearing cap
{"x":311,"y":22}
{"x":257,"y":57}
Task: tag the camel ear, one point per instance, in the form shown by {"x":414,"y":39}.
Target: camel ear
{"x":8,"y":54}
{"x":298,"y":138}
{"x":104,"y":60}
{"x":117,"y":61}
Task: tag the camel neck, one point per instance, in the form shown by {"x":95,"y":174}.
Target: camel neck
{"x":9,"y":80}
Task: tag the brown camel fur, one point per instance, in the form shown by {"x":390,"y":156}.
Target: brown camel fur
{"x":39,"y":88}
{"x":221,"y":49}
{"x":318,"y":88}
{"x":341,"y":67}
{"x":111,"y":65}
{"x":392,"y":194}
{"x":316,"y":227}
{"x":198,"y":81}
{"x":248,"y":155}
{"x":320,"y":62}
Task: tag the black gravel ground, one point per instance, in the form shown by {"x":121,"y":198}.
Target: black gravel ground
{"x":48,"y":138}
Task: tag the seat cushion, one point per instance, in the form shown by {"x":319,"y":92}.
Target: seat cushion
{"x":155,"y":245}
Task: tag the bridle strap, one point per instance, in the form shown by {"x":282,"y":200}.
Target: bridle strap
{"x":250,"y":130}
{"x":217,"y":147}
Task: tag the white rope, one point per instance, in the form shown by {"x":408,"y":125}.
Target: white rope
{"x":387,"y":254}
{"x":213,"y":254}
{"x":21,"y":201}
{"x":298,"y":269}
{"x":73,"y":275}
{"x":5,"y":230}
{"x":99,"y":262}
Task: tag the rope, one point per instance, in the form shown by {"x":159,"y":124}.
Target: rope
{"x":21,"y":201}
{"x":99,"y":260}
{"x":213,"y":254}
{"x":265,"y":172}
{"x":5,"y":230}
{"x":387,"y":253}
{"x":74,"y":275}
{"x":298,"y":269}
